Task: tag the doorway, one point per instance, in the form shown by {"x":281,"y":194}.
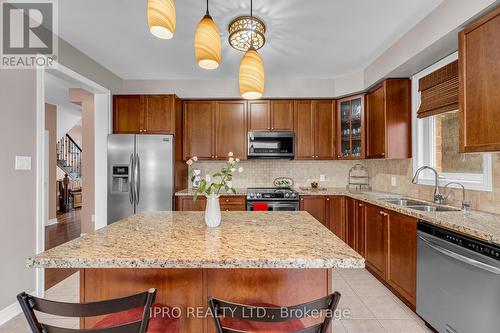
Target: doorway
{"x":73,"y":120}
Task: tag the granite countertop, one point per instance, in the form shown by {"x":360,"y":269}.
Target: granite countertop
{"x":477,"y":224}
{"x":189,"y":192}
{"x":182,"y":240}
{"x":481,"y":225}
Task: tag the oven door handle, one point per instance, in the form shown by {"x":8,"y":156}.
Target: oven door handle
{"x":460,"y":257}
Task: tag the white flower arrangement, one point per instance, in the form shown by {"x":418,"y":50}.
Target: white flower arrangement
{"x":213,"y":184}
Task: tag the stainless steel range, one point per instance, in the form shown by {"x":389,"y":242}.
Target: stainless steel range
{"x":272,"y":199}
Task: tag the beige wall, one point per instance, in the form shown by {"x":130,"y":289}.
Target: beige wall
{"x":86,"y":100}
{"x":17,"y":193}
{"x":381,"y":172}
{"x":51,"y":127}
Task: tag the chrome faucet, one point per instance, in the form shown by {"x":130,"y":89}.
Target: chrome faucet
{"x":465,"y":203}
{"x":438,"y":197}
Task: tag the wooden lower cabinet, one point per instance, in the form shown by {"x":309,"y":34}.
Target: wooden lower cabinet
{"x":227,"y":203}
{"x":335,"y":212}
{"x":391,"y":250}
{"x":376,"y":246}
{"x":402,"y":255}
{"x":316,"y":206}
{"x":360,"y":226}
{"x":350,"y":222}
{"x":189,"y":288}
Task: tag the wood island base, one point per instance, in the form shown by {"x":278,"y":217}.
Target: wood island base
{"x":190,"y":288}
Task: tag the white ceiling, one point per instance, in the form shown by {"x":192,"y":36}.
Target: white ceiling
{"x":305,"y":39}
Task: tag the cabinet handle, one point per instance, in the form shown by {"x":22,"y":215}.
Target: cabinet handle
{"x":360,"y":205}
{"x":383,"y":154}
{"x":272,"y":128}
{"x":327,"y":199}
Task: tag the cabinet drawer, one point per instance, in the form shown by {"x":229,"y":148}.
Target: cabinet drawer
{"x":232,"y":200}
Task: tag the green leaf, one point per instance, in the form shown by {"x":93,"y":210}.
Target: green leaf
{"x":218,"y":174}
{"x":233,"y":190}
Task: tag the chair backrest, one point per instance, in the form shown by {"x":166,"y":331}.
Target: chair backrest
{"x":223,"y":309}
{"x":29,"y":304}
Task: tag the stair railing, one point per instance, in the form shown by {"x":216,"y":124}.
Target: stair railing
{"x":69,"y":156}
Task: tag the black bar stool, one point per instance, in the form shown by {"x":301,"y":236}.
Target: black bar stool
{"x":240,"y":318}
{"x":129,"y":314}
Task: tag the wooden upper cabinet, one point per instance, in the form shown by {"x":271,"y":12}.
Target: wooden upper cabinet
{"x":231,"y":129}
{"x":479,"y":82}
{"x":128,"y":114}
{"x":199,"y":120}
{"x":259,"y":116}
{"x":159,"y":116}
{"x":304,"y":130}
{"x":314,"y":129}
{"x":402,"y":255}
{"x":324,"y":147}
{"x":316,"y":206}
{"x":282,"y":115}
{"x":275,"y":115}
{"x":375,"y":127}
{"x":376,"y":246}
{"x":351,"y":128}
{"x":143,"y":114}
{"x":388,"y":120}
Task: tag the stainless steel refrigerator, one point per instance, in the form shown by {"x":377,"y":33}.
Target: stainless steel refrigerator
{"x":140,"y":174}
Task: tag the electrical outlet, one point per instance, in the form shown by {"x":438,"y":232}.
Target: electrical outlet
{"x":393,"y":181}
{"x":322,"y":178}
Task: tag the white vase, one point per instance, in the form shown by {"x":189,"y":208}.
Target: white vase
{"x":212,"y":211}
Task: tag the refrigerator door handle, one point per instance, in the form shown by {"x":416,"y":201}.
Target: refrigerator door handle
{"x":131,"y":179}
{"x":137,"y":178}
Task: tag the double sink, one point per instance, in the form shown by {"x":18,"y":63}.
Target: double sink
{"x":419,"y":205}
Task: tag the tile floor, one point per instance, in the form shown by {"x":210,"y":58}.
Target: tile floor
{"x":372,"y":307}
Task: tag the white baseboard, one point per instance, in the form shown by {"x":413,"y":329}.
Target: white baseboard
{"x":50,"y":222}
{"x":11,"y":311}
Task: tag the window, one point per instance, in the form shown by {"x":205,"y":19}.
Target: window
{"x":436,"y":142}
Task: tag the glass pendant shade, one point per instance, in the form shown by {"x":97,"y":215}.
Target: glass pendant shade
{"x":251,"y":77}
{"x":207,"y":44}
{"x":161,"y":18}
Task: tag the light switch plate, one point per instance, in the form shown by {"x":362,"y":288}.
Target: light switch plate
{"x":23,"y":163}
{"x":393,"y":181}
{"x":322,"y":178}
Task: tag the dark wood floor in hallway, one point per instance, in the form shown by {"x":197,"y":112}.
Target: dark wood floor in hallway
{"x":68,"y":227}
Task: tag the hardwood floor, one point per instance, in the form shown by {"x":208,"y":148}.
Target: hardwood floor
{"x":68,"y":227}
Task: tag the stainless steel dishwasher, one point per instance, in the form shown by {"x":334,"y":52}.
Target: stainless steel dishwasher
{"x":458,"y":282}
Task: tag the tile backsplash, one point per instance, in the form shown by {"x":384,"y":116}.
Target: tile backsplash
{"x":381,"y":172}
{"x":261,"y":173}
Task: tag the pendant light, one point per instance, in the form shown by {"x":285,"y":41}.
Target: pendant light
{"x":207,"y":45}
{"x":161,"y":18}
{"x":251,"y":77}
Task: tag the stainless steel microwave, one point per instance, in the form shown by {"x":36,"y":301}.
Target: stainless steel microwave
{"x":271,"y":145}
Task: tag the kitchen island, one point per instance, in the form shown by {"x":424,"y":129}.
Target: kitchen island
{"x":253,"y":257}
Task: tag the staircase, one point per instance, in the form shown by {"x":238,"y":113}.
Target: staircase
{"x":69,"y":157}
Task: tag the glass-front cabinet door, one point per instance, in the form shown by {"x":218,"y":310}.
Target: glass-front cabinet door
{"x":351,"y":131}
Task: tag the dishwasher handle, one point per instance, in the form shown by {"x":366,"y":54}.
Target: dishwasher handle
{"x":460,"y":257}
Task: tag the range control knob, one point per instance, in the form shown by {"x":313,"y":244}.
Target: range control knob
{"x":258,"y":195}
{"x":287,"y":195}
{"x":294,"y":195}
{"x":251,"y":195}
